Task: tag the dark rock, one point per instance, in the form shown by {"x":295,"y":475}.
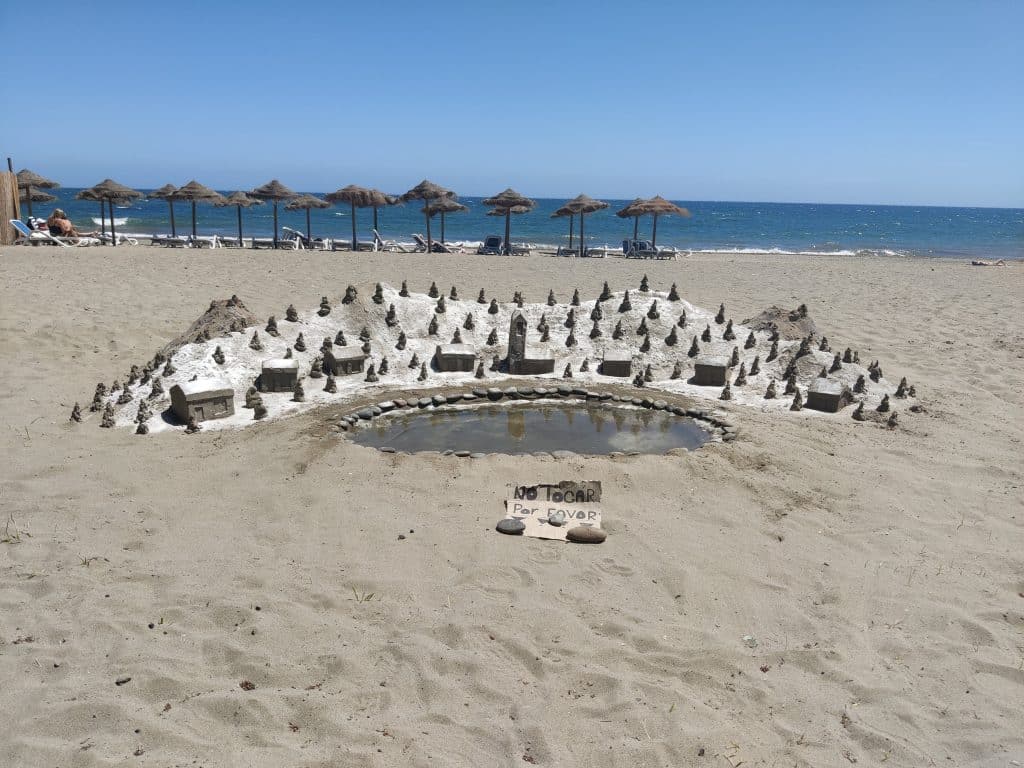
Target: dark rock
{"x":512,"y":526}
{"x":586,"y":534}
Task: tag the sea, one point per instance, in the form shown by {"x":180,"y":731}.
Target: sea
{"x":717,"y":227}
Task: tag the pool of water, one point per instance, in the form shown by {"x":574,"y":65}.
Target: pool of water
{"x":525,"y":428}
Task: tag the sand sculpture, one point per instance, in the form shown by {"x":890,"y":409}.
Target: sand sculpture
{"x":620,"y":342}
{"x":325,"y":307}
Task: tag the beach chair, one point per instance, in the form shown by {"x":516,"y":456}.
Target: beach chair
{"x":380,"y":244}
{"x":638,"y":249}
{"x":491,"y":246}
{"x":107,"y":239}
{"x":38,"y":236}
{"x":519,"y":249}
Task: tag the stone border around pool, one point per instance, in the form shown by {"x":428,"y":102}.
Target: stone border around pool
{"x":721,"y":429}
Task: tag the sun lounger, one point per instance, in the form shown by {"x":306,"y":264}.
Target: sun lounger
{"x":107,"y":239}
{"x":38,"y":236}
{"x":380,"y":244}
{"x":439,"y":247}
{"x":491,"y":246}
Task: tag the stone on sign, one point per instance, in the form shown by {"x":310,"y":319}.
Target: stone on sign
{"x":202,"y":400}
{"x":828,"y":395}
{"x":279,"y":375}
{"x":711,"y":370}
{"x":455,"y":358}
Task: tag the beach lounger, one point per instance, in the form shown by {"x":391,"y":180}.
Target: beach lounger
{"x":107,"y":239}
{"x":520,"y":249}
{"x":638,"y":249}
{"x":39,"y":236}
{"x":380,"y":244}
{"x":490,"y":247}
{"x":439,"y":247}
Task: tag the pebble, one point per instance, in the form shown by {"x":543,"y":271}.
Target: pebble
{"x":541,"y":454}
{"x":579,"y":391}
{"x":365,"y":414}
{"x":728,"y":437}
{"x":477,"y":455}
{"x":343,"y":426}
{"x":400,"y":403}
{"x":449,"y":452}
{"x":387,"y":405}
{"x":386,"y":449}
{"x":660,"y":405}
{"x":678,"y":411}
{"x":480,"y":392}
{"x":469,"y":397}
{"x":439,"y":399}
{"x":376,"y":410}
{"x":541,"y":391}
{"x":636,"y":401}
{"x":556,"y":518}
{"x":454,"y":397}
{"x":511,"y":525}
{"x":494,"y":393}
{"x":423,"y":402}
{"x":526,"y":391}
{"x":510,"y":392}
{"x":591,"y":395}
{"x":462,"y":454}
{"x":586,"y":534}
{"x":563,"y":454}
{"x":563,"y":390}
{"x":122,"y":680}
{"x":616,"y":454}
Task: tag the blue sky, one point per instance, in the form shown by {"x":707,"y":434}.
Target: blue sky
{"x":879,"y":102}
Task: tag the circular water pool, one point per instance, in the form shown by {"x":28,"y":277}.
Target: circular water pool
{"x":520,"y":428}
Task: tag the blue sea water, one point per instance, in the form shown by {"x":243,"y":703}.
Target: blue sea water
{"x":990,"y":233}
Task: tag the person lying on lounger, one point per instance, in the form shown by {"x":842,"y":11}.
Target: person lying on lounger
{"x":60,"y":226}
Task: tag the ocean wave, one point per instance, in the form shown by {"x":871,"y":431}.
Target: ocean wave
{"x":117,"y":222}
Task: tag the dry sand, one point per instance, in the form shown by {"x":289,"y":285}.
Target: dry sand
{"x":880,"y":572}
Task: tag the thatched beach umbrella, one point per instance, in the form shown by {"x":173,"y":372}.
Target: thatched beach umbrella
{"x":274,"y":191}
{"x":561,"y":213}
{"x":444,"y":206}
{"x":194,"y":191}
{"x":240,"y":200}
{"x":111,"y":192}
{"x":582,"y":204}
{"x":166,"y":192}
{"x":427,"y":191}
{"x":506,"y":201}
{"x":307,"y":202}
{"x":30,"y":196}
{"x":89,"y":194}
{"x":29,"y":180}
{"x":659,"y":206}
{"x":632,"y":211}
{"x":359,"y":197}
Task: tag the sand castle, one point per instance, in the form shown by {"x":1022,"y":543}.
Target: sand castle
{"x":643,"y":339}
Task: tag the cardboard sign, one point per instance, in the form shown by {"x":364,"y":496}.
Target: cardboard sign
{"x":535,"y":515}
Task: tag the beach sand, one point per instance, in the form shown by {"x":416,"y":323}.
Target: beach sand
{"x":879,"y":573}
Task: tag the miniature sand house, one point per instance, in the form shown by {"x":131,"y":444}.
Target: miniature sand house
{"x":455,"y":358}
{"x":711,"y":370}
{"x":279,"y":375}
{"x":828,"y":395}
{"x":344,"y":361}
{"x":519,"y":362}
{"x":617,"y":364}
{"x":202,"y":400}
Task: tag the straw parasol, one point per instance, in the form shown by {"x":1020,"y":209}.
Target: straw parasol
{"x":506,"y":201}
{"x":194,"y":191}
{"x":274,"y":191}
{"x":166,"y":192}
{"x":306,"y":202}
{"x":444,"y":206}
{"x":29,"y":180}
{"x":583,"y":204}
{"x":359,"y":197}
{"x":240,"y":200}
{"x":109,"y":191}
{"x":427,"y":191}
{"x":659,"y":206}
{"x":632,"y":211}
{"x":35,"y":196}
